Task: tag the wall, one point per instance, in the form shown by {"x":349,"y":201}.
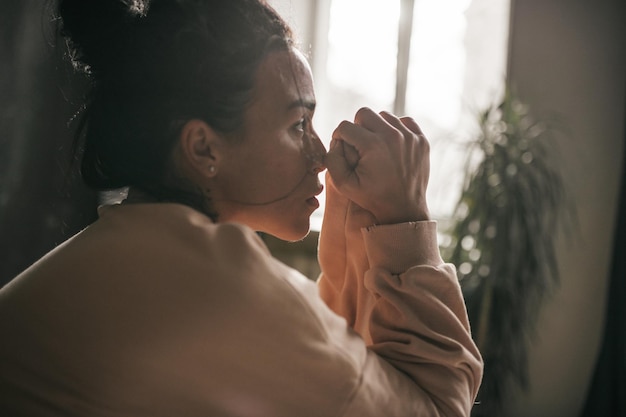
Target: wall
{"x":568,"y":57}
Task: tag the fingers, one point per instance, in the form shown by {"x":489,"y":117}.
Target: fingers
{"x":341,"y":160}
{"x":355,"y":139}
{"x":356,"y":135}
{"x":351,"y":141}
{"x":380,"y":162}
{"x":406,"y":125}
{"x":381,"y":122}
{"x":370,"y":120}
{"x":350,"y":154}
{"x":394,"y":121}
{"x":409,"y":129}
{"x":369,"y":127}
{"x":412,"y":125}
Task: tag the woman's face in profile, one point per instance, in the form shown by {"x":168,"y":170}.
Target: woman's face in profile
{"x":270,"y":178}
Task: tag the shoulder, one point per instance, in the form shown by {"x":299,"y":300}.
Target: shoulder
{"x":152,"y":244}
{"x":175,"y":227}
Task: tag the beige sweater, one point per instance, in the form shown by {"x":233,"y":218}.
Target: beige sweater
{"x":156,"y":311}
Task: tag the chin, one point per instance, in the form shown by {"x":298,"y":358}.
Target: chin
{"x":294,"y":233}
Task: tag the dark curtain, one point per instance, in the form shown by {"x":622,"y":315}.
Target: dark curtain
{"x":41,"y":201}
{"x":607,"y":392}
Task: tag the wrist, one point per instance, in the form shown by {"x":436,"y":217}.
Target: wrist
{"x":417,"y":214}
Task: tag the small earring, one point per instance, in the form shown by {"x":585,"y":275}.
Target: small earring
{"x":212,"y":169}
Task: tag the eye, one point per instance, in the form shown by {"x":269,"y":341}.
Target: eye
{"x":301,"y":126}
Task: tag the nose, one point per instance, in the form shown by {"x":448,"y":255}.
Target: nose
{"x":316,"y":154}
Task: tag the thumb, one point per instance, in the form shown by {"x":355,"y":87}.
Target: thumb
{"x":341,"y":161}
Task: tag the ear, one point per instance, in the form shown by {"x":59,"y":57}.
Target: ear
{"x":200,"y":150}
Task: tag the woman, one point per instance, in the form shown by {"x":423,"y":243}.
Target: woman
{"x":169,"y":304}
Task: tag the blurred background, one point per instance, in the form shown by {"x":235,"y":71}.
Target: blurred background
{"x":439,"y":61}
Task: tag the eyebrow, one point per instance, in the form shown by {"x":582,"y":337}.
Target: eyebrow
{"x":302,"y":103}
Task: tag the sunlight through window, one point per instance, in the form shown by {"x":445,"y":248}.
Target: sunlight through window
{"x":362,"y":49}
{"x":437,"y":62}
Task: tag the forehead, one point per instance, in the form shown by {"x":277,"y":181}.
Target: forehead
{"x":284,"y":77}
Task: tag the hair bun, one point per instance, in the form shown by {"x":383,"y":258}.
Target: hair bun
{"x":98,"y":30}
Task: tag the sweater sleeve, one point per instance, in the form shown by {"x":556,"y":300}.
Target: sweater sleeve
{"x":409,"y":309}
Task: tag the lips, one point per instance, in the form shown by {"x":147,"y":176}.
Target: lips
{"x":312,"y":201}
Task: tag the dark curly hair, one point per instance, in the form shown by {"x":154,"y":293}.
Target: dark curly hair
{"x":152,"y":66}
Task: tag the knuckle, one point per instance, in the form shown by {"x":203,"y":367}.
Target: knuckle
{"x":362,"y":113}
{"x":395,"y":135}
{"x":341,"y":128}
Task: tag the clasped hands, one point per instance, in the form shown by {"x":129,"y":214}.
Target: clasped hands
{"x":381,"y":163}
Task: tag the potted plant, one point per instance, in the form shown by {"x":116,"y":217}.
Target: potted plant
{"x":502,"y":240}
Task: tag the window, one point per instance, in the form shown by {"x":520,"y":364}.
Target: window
{"x":438,"y":61}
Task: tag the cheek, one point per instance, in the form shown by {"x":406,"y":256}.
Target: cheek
{"x":269,"y":174}
{"x":285,"y":158}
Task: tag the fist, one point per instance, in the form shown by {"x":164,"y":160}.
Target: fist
{"x":381,"y":163}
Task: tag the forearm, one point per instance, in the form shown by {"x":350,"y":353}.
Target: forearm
{"x":407,"y":304}
{"x":343,"y":260}
{"x":418,"y":322}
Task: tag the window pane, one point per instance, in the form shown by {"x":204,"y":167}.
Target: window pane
{"x":362,"y":50}
{"x":361,"y":60}
{"x":437,"y":62}
{"x":457,"y":66}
